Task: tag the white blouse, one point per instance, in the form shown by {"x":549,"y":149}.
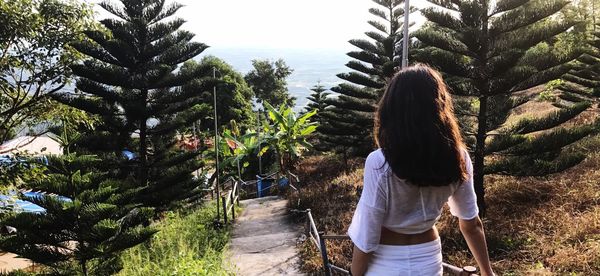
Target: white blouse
{"x":401,"y":207}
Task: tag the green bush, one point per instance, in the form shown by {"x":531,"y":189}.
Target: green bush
{"x":187,"y":244}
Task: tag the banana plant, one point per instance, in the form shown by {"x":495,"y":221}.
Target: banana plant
{"x":237,"y":150}
{"x":242,"y":149}
{"x":287,"y":134}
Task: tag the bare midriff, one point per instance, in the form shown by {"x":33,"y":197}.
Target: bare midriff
{"x":389,"y":237}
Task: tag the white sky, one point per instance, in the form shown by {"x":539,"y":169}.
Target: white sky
{"x":289,"y":24}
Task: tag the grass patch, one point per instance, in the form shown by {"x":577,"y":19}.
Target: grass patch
{"x":187,"y":244}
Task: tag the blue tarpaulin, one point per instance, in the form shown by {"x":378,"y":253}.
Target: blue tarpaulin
{"x":263,"y":185}
{"x":20,"y":205}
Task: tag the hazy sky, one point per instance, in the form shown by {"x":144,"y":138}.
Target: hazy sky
{"x":291,"y":24}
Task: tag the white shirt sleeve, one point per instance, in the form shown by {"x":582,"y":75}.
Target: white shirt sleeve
{"x":365,"y":229}
{"x":463,"y":202}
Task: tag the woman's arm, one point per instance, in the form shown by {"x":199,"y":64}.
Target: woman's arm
{"x":365,"y":229}
{"x":360,"y":262}
{"x":473,"y":232}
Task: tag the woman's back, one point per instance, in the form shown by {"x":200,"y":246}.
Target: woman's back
{"x":402,"y":207}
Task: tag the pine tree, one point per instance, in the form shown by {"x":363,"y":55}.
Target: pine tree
{"x":88,"y":218}
{"x":350,"y":117}
{"x":492,"y":52}
{"x":583,"y":83}
{"x":317,"y":101}
{"x":131,"y":79}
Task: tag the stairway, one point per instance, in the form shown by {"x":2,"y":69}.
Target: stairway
{"x":264,"y":239}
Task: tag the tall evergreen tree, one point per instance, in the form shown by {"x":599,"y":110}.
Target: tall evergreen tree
{"x":350,"y":116}
{"x":88,"y":218}
{"x":268,"y":80}
{"x":131,"y":79}
{"x":492,"y":52}
{"x":234,"y":95}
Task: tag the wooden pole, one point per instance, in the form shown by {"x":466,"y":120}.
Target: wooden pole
{"x":233,"y":204}
{"x":307,"y":228}
{"x":237,"y":193}
{"x":405,"y":37}
{"x":216,"y":142}
{"x":324,"y":255}
{"x":224,"y":209}
{"x":259,"y":144}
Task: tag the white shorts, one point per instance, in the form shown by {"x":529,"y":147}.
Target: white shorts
{"x":423,"y":259}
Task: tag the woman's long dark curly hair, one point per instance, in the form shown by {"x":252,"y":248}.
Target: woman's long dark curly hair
{"x":417,"y":131}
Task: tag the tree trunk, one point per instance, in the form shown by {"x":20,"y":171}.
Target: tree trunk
{"x":282,"y":166}
{"x":143,"y":147}
{"x":482,"y":118}
{"x":345,"y":157}
{"x":480,"y":155}
{"x":83,"y":267}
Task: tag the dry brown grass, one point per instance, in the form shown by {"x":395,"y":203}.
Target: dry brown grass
{"x":535,"y":226}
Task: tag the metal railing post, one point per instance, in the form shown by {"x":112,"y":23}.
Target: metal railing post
{"x":237,"y":194}
{"x":469,"y":270}
{"x":224,"y":209}
{"x":307,"y":228}
{"x":232,"y":197}
{"x":323,"y":250}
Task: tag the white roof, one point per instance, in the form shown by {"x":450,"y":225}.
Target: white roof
{"x":31,"y":145}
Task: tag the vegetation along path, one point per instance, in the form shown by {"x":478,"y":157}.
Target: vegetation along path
{"x":264,"y":239}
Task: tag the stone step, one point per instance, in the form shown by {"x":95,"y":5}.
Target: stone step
{"x":265,"y":243}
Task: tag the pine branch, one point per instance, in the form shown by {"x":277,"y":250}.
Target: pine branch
{"x":354,"y":91}
{"x":535,"y":166}
{"x":366,"y":46}
{"x":444,"y":19}
{"x":366,"y":57}
{"x":529,"y":125}
{"x":453,"y":5}
{"x":443,"y":40}
{"x":504,"y":141}
{"x":345,"y":102}
{"x":360,"y":79}
{"x":528,"y":37}
{"x":528,"y":13}
{"x":507,"y":5}
{"x":554,"y":140}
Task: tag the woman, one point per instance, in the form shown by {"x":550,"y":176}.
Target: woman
{"x":422,"y":163}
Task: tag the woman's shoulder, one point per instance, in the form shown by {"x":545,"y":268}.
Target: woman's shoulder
{"x":465,"y":154}
{"x":375,"y":160}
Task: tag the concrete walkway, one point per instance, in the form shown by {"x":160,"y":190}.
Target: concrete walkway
{"x":10,"y":262}
{"x":264,"y":240}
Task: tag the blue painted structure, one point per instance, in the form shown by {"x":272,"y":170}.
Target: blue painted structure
{"x":264,"y":184}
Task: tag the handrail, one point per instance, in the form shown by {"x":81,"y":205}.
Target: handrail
{"x":291,"y":178}
{"x":269,"y":175}
{"x":231,"y":198}
{"x":319,"y":238}
{"x":293,"y":181}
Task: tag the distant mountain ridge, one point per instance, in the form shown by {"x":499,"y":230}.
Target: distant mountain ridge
{"x":309,"y":65}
